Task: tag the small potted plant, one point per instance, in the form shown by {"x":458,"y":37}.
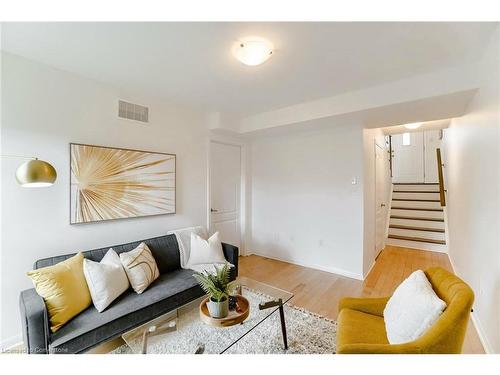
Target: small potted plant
{"x":217,"y":286}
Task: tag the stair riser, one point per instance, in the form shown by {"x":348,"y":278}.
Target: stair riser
{"x":434,"y":196}
{"x":417,"y":233}
{"x":416,"y":204}
{"x":417,"y":245}
{"x":417,"y":187}
{"x":418,"y":223}
{"x":416,"y":213}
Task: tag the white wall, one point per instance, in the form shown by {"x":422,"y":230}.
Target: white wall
{"x":472,"y":167}
{"x":304,"y":208}
{"x":43,"y":110}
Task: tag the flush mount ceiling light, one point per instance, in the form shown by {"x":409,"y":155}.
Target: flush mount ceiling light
{"x":413,"y":125}
{"x":253,"y":50}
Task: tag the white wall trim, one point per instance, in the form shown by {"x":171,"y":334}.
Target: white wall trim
{"x":481,"y":333}
{"x":475,"y":320}
{"x":370,"y":269}
{"x":10,"y":343}
{"x":334,"y":270}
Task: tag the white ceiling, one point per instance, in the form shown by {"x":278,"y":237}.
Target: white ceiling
{"x":191,"y":63}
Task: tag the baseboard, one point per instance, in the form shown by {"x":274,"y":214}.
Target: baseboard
{"x":481,"y":333}
{"x":337,"y":271}
{"x":370,"y":269}
{"x":475,"y":320}
{"x":11,"y":342}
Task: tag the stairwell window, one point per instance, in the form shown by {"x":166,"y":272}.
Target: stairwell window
{"x":406,"y":139}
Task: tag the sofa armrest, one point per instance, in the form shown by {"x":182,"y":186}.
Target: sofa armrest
{"x":231,"y":254}
{"x":408,"y":348}
{"x":374,"y":306}
{"x":35,"y":322}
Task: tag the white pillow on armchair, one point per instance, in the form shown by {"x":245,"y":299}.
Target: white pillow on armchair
{"x":413,"y":309}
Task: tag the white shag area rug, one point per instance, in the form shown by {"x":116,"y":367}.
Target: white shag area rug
{"x":308,"y":333}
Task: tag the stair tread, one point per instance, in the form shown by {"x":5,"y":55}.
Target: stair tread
{"x":417,"y":239}
{"x":415,"y":200}
{"x":418,"y":209}
{"x":415,"y":218}
{"x":415,"y":183}
{"x":416,"y":191}
{"x":423,"y":229}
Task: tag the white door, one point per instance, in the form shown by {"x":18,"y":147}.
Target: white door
{"x":408,"y":161}
{"x":432,"y":141}
{"x":382,"y":176}
{"x":225,"y":187}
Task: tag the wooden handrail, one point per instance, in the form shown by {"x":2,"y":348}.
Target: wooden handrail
{"x":442,"y":197}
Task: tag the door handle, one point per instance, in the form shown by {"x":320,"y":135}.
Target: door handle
{"x":213,"y":210}
{"x":382,"y":205}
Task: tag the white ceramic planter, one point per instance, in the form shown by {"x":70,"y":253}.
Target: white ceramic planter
{"x":218,"y":310}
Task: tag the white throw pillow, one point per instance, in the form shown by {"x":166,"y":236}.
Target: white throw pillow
{"x":106,"y":280}
{"x":140,"y":267}
{"x":183,"y":237}
{"x":205,"y":251}
{"x":413,"y":309}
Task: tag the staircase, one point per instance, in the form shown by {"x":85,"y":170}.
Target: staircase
{"x":417,"y":218}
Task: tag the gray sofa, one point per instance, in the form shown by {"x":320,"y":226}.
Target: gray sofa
{"x":174,"y":288}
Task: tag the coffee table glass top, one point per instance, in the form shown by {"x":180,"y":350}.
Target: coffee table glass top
{"x":182,"y":331}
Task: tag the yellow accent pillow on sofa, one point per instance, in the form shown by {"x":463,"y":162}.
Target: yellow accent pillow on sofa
{"x":64,"y":290}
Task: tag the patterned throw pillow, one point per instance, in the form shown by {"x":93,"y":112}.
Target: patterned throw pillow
{"x":140,"y":267}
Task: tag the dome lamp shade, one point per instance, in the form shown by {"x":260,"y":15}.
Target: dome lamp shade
{"x":36,"y":173}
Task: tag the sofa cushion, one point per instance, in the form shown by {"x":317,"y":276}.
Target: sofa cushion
{"x":90,"y":328}
{"x":357,"y":327}
{"x":164,"y":249}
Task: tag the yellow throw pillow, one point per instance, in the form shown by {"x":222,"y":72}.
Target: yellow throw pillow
{"x":64,"y":289}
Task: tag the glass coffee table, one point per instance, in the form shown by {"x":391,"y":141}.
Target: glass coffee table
{"x":182,"y":331}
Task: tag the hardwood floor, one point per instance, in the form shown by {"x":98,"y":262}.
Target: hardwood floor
{"x":320,"y":291}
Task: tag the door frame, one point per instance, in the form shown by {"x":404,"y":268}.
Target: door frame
{"x":243,"y":219}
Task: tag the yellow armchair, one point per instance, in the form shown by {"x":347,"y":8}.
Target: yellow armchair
{"x":361,"y":327}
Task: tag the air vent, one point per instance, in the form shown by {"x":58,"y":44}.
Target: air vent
{"x":133,"y":111}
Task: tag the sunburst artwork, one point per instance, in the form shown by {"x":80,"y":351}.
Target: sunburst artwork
{"x":113,"y":183}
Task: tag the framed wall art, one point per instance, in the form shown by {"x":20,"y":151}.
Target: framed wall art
{"x":109,"y":183}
